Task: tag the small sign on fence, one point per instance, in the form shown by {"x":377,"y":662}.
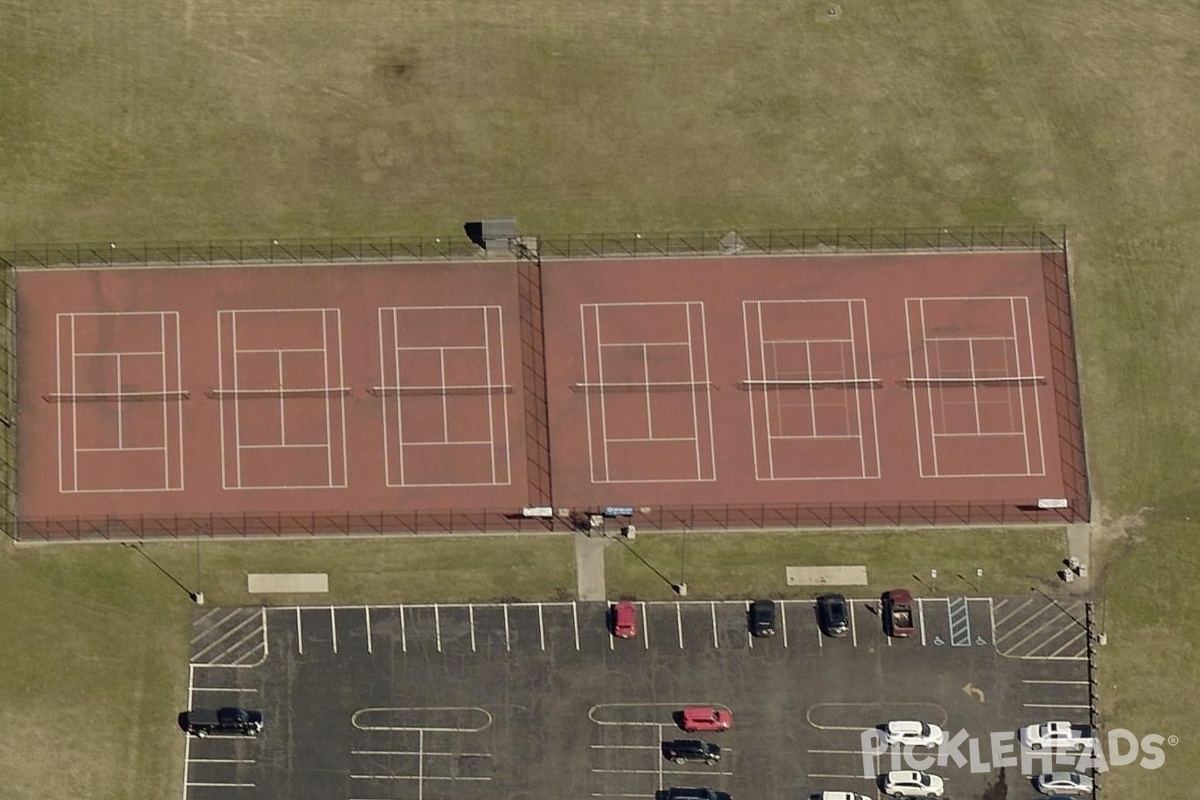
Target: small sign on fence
{"x":1052,"y":502}
{"x":618,"y":511}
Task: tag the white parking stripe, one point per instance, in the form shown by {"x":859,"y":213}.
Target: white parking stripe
{"x":403,"y":634}
{"x":333,"y":625}
{"x":1064,"y":683}
{"x":1053,"y":705}
{"x":541,"y":627}
{"x":437,"y":626}
{"x":853,"y":625}
{"x":749,"y":636}
{"x":921,"y":613}
{"x":225,"y":785}
{"x":645,"y":627}
{"x":471,"y":613}
{"x":783,"y":621}
{"x":507,"y":640}
{"x":679,"y":624}
{"x":367,"y":614}
{"x":713,"y":608}
{"x":575,"y":618}
{"x":299,"y":633}
{"x":222,"y":760}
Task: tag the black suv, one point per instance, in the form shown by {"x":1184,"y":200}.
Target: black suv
{"x":228,"y":721}
{"x":683,"y":750}
{"x":833,"y":615}
{"x":762,"y":618}
{"x":678,"y":793}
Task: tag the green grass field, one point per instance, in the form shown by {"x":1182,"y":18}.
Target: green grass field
{"x":215,"y":118}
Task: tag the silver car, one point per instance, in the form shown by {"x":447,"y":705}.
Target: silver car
{"x":1063,"y":783}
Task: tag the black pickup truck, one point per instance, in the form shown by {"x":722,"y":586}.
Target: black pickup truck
{"x":221,"y":721}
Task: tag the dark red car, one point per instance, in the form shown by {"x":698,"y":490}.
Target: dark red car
{"x":896,"y":607}
{"x":705,"y":718}
{"x":624,"y":619}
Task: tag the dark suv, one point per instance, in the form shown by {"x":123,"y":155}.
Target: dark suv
{"x":678,"y":793}
{"x":762,"y":618}
{"x":684,"y":750}
{"x":221,"y":721}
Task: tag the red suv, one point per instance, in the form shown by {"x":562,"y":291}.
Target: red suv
{"x":705,"y":718}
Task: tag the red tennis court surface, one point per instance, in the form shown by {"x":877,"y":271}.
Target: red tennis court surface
{"x":386,"y":391}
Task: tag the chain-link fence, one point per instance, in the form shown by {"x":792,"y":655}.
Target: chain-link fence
{"x":588,"y":245}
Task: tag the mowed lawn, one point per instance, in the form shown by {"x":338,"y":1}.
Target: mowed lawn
{"x":164,"y":119}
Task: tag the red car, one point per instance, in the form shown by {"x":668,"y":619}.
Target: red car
{"x":705,"y":718}
{"x":897,"y":609}
{"x":624,"y":619}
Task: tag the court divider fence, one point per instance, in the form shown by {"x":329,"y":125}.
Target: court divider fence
{"x":533,"y":249}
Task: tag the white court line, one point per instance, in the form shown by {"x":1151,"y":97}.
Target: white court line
{"x":762,"y":350}
{"x":750,"y":394}
{"x":123,"y":450}
{"x":679,"y":623}
{"x":928,"y":394}
{"x":587,"y":402}
{"x":274,"y":350}
{"x":695,"y":407}
{"x":333,"y":627}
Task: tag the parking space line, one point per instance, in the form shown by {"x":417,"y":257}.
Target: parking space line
{"x":416,"y":753}
{"x":575,"y":618}
{"x":608,"y":794}
{"x":222,"y":760}
{"x":1065,"y":683}
{"x":921,"y":614}
{"x":1056,"y":705}
{"x":437,"y":626}
{"x":712,"y":607}
{"x":221,"y":689}
{"x":837,"y":752}
{"x":403,"y":633}
{"x":333,"y":627}
{"x":749,"y":636}
{"x":299,"y":633}
{"x":367,"y":614}
{"x":225,"y":785}
{"x":783,"y":621}
{"x":658,"y":771}
{"x":624,"y":746}
{"x":679,"y":624}
{"x":645,"y":627}
{"x":421,"y":751}
{"x":541,"y":627}
{"x":992,"y":614}
{"x":853,"y":625}
{"x":471,"y":621}
{"x":507,"y":640}
{"x":419,"y":778}
{"x":831,"y":775}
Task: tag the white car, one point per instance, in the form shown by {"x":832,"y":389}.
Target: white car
{"x":1063,"y":783}
{"x":840,"y":796}
{"x":910,"y":783}
{"x":909,"y":733}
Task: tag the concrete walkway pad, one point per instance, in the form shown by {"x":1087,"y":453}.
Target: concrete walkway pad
{"x":827,"y":576}
{"x":286,"y":583}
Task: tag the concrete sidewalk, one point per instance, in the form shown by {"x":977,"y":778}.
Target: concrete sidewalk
{"x":589,"y":567}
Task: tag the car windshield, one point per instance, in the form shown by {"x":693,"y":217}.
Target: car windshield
{"x":925,"y":780}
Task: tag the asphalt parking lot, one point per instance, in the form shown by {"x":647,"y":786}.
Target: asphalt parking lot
{"x":467,"y":702}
